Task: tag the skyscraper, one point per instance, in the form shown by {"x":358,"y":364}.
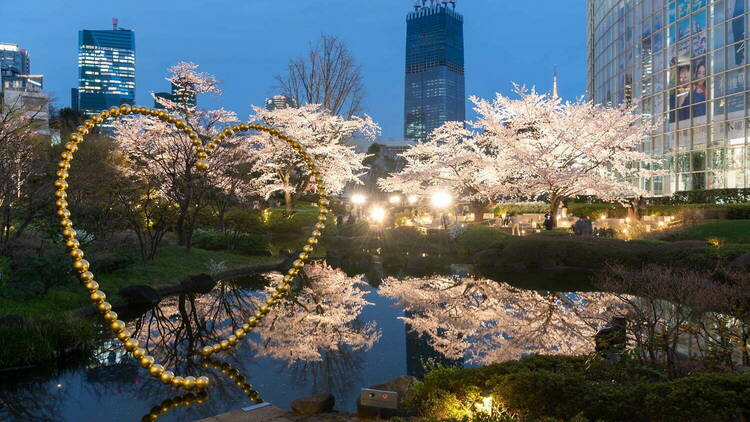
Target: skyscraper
{"x":106,"y":69}
{"x":182,"y":94}
{"x":684,"y":63}
{"x":434,"y":88}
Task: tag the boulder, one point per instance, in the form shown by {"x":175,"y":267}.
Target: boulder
{"x":140,"y":296}
{"x":201,"y":283}
{"x":318,"y":403}
{"x":741,"y":263}
{"x":402,"y":385}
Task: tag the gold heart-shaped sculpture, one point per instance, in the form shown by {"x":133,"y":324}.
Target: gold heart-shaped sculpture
{"x":98,"y":297}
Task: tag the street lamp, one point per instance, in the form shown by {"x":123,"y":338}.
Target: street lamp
{"x":358,"y":199}
{"x":412,"y":199}
{"x":395,"y":199}
{"x":377,"y":214}
{"x":441,"y":199}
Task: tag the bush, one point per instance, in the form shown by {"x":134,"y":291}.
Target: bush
{"x":522,"y":208}
{"x":245,"y":243}
{"x":738,"y":212}
{"x":296,"y":224}
{"x":107,"y":262}
{"x":38,"y":275}
{"x":477,"y":238}
{"x":564,"y":387}
{"x":43,"y":339}
{"x":709,"y":196}
{"x":594,"y":211}
{"x":240,"y":220}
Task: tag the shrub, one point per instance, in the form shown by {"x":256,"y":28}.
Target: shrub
{"x":43,"y":339}
{"x":240,"y":220}
{"x":107,"y":262}
{"x":595,"y":211}
{"x":477,"y":238}
{"x":522,"y":208}
{"x":246,"y":243}
{"x":738,"y":211}
{"x":38,"y":275}
{"x":296,"y":224}
{"x":564,"y":387}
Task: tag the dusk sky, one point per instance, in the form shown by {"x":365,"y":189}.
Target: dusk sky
{"x":245,"y":44}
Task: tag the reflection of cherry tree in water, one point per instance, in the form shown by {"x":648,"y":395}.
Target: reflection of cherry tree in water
{"x":487,"y":321}
{"x":316,"y":329}
{"x":32,"y":402}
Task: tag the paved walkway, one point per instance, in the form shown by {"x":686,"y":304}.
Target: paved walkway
{"x":270,"y":413}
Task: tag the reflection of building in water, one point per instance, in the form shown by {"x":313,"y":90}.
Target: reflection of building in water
{"x":419,"y":352}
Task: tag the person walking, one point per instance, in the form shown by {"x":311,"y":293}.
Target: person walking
{"x":515,"y":225}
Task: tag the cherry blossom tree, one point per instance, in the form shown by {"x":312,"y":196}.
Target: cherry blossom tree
{"x":321,"y":317}
{"x":487,"y":321}
{"x":559,"y":150}
{"x":323,"y":136}
{"x":450,"y":161}
{"x":163,"y":158}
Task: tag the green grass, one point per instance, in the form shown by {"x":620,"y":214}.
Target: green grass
{"x":729,"y":231}
{"x":172,"y":265}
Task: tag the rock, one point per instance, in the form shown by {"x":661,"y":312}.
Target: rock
{"x":402,"y":385}
{"x":740,"y":263}
{"x":12,"y":319}
{"x":201,"y":283}
{"x":140,"y":296}
{"x":318,"y":403}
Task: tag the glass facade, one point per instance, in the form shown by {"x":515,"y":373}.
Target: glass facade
{"x":434,"y":89}
{"x":685,"y":62}
{"x":106,"y":70}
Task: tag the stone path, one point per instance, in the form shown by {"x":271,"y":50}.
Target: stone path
{"x":272,"y":413}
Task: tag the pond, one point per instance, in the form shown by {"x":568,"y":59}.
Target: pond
{"x":340,"y":333}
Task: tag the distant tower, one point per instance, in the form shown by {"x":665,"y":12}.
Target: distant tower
{"x":554,"y":85}
{"x":434,"y":88}
{"x":280,"y":101}
{"x":106,"y":69}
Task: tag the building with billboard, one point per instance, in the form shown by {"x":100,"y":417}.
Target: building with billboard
{"x":684,"y":63}
{"x":434,"y":83}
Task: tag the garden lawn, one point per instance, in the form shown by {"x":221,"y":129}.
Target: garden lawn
{"x":172,"y":265}
{"x":729,"y":231}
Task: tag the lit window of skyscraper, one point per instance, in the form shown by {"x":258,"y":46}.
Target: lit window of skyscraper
{"x":106,"y":69}
{"x":434,"y":89}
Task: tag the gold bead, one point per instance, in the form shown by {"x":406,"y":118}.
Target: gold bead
{"x":61,"y":184}
{"x":302,"y":255}
{"x":307,"y":248}
{"x":110,"y":316}
{"x":96,"y":119}
{"x":298,"y":263}
{"x":206,"y":351}
{"x":264,"y":309}
{"x":63,"y":213}
{"x":89,"y":124}
{"x":92,"y":285}
{"x":104,"y":115}
{"x":228,"y":132}
{"x":117,"y":326}
{"x":63,"y":165}
{"x":166,"y":377}
{"x":86,"y":276}
{"x":293,"y":271}
{"x":258,"y":316}
{"x":62,"y":174}
{"x":60,"y":194}
{"x":98,"y":296}
{"x":281,"y":288}
{"x":76,"y":254}
{"x":275,"y":295}
{"x":201,"y":383}
{"x":188,"y":382}
{"x":139,"y":352}
{"x":240,"y":334}
{"x":75,"y":138}
{"x":114,"y":111}
{"x":81,"y":265}
{"x":147,"y":361}
{"x":71,"y":147}
{"x":224,"y":344}
{"x":232,"y":339}
{"x":316,"y":232}
{"x":179,"y":124}
{"x":322,"y":218}
{"x":66,"y":223}
{"x":201,"y":165}
{"x":123,"y":336}
{"x":82,"y":130}
{"x":131,"y":344}
{"x":104,"y":307}
{"x":245,"y":327}
{"x":162,"y":115}
{"x":320,"y":226}
{"x":69,"y":234}
{"x":178,"y":381}
{"x":156,"y":370}
{"x":253,"y":323}
{"x":125,"y":109}
{"x":201,"y":155}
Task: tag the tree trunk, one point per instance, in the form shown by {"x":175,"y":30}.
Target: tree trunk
{"x":478,"y":208}
{"x":289,"y":203}
{"x":554,"y":204}
{"x":181,"y":227}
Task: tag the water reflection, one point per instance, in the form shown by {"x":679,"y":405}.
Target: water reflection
{"x":488,"y":321}
{"x":171,"y":403}
{"x":235,"y":376}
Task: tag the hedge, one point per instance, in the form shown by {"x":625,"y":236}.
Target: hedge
{"x":564,"y":387}
{"x":246,"y":243}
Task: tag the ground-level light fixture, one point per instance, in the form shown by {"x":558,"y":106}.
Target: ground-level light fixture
{"x":395,"y":199}
{"x":412,"y":199}
{"x":377,"y":214}
{"x":441,"y":199}
{"x":358,"y":199}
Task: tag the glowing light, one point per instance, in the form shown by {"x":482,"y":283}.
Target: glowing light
{"x":627,"y":219}
{"x":441,"y":199}
{"x":358,"y":199}
{"x":662,"y":224}
{"x":395,"y":199}
{"x":485,"y":406}
{"x":603,"y":217}
{"x":412,"y":199}
{"x":427,"y":219}
{"x":377,"y":214}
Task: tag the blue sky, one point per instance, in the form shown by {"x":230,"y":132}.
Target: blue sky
{"x":245,"y":43}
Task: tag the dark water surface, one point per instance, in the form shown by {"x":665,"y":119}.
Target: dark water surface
{"x":110,"y":386}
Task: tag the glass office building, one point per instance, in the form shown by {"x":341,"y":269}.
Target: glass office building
{"x":685,"y":62}
{"x":106,"y":70}
{"x":434,"y":89}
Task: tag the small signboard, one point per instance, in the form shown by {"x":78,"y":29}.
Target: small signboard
{"x":379,"y":398}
